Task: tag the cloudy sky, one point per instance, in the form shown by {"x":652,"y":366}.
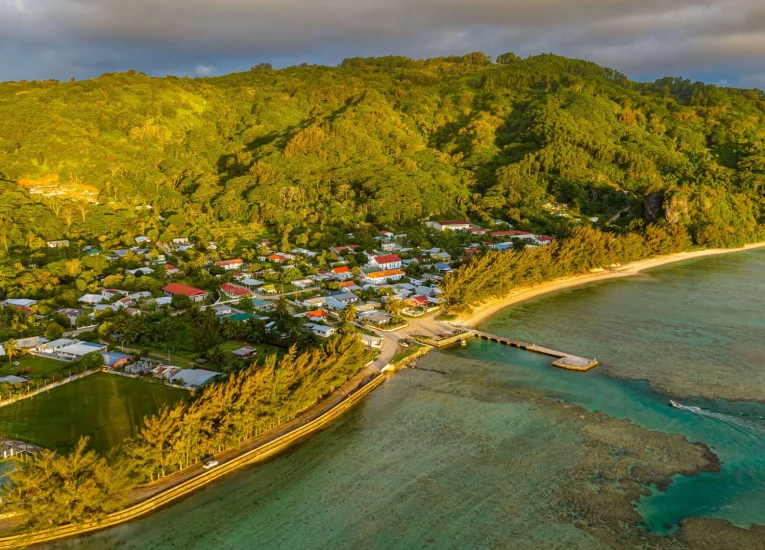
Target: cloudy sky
{"x":719,"y":41}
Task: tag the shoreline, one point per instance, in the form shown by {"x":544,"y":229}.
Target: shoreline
{"x":154,"y":496}
{"x":521,"y":294}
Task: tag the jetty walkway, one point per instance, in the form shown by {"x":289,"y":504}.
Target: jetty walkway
{"x":563,"y":360}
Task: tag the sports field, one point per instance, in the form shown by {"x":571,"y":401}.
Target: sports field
{"x":106,"y":407}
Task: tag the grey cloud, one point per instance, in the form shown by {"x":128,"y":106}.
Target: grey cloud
{"x":645,"y":38}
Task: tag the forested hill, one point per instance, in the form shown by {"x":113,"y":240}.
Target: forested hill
{"x":308,"y":152}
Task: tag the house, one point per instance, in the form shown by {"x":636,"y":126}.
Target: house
{"x":453,"y":225}
{"x":111,"y":293}
{"x":244,"y":352}
{"x":58,"y":244}
{"x":268,"y":290}
{"x":316,"y":301}
{"x":92,"y":252}
{"x":387,"y":261}
{"x":376,"y":318}
{"x":349,"y":285}
{"x":514,"y":233}
{"x":141,"y":239}
{"x":91,"y":299}
{"x":387,"y":235}
{"x":240,"y":317}
{"x":165,"y":371}
{"x":250,"y":282}
{"x":230,"y":265}
{"x":442,"y":256}
{"x":374,"y":342}
{"x":477,"y":230}
{"x":171,"y":270}
{"x":192,"y":378}
{"x":70,"y":313}
{"x":277,"y":258}
{"x":303,"y":283}
{"x":163,"y":301}
{"x":141,"y":270}
{"x":389,"y":246}
{"x":262,"y":305}
{"x":11,"y":379}
{"x":22,"y":304}
{"x":382,"y":277}
{"x":342,"y":272}
{"x":320,"y":330}
{"x":317,"y":314}
{"x":54,"y":345}
{"x":234,"y":291}
{"x":346,"y":248}
{"x":223,"y":310}
{"x":443,"y":268}
{"x":545,"y":239}
{"x":177,"y":289}
{"x":117,"y":254}
{"x":78,"y":350}
{"x":345,"y":297}
{"x":29,"y":343}
{"x":138,"y":296}
{"x":115,"y":360}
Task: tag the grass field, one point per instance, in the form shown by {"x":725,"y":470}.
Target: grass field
{"x":187,"y":359}
{"x":41,"y":367}
{"x":106,"y":407}
{"x":403,"y":353}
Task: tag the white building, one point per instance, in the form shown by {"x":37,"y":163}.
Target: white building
{"x":320,"y":330}
{"x":454,"y":225}
{"x":387,"y":261}
{"x":383,"y":277}
{"x":91,"y":299}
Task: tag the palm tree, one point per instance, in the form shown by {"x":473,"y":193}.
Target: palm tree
{"x":10,"y":349}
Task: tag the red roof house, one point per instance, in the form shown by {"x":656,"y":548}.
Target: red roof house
{"x":234,"y":291}
{"x":177,"y":289}
{"x":388,"y":261}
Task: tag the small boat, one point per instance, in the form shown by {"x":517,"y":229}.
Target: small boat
{"x":674,"y":404}
{"x":463,"y":343}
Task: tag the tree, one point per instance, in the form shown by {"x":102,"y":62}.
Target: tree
{"x":348,"y":313}
{"x":48,"y":489}
{"x":394,"y":305}
{"x":10,"y":349}
{"x":54,"y":331}
{"x":180,"y":301}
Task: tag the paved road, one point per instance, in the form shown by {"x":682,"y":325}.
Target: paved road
{"x":145,"y":491}
{"x":425,"y":325}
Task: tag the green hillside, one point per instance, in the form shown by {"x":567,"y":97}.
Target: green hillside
{"x":309,"y":152}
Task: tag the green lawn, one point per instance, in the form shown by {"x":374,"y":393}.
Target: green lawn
{"x":106,"y":407}
{"x":187,"y":359}
{"x":402,"y":353}
{"x":41,"y":367}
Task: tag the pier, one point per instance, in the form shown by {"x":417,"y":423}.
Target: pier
{"x":563,"y":360}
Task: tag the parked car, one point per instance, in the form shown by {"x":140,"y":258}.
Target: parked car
{"x":210,"y":464}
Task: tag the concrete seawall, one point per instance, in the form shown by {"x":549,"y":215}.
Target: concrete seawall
{"x":154,"y":503}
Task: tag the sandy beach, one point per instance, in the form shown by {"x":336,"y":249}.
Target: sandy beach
{"x":520,"y":294}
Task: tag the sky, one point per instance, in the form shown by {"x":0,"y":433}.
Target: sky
{"x":717,"y":41}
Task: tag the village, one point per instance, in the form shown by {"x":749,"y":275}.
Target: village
{"x":387,"y":293}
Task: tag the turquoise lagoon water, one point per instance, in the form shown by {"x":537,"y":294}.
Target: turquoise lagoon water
{"x":466,"y":459}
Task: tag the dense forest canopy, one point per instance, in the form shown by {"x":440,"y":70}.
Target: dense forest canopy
{"x":309,"y":152}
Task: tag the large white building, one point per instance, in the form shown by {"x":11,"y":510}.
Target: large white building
{"x":454,"y":225}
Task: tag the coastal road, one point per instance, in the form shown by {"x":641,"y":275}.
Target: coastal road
{"x":363,"y":377}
